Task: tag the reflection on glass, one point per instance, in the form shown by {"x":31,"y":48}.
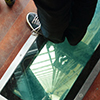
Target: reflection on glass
{"x":54,"y":71}
{"x":57,"y":67}
{"x":51,"y":74}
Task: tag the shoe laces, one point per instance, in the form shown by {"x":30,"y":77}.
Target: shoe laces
{"x":36,"y":20}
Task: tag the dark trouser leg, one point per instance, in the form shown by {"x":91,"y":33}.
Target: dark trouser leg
{"x":82,"y":13}
{"x":54,"y":17}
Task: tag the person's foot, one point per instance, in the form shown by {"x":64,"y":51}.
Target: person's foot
{"x":33,"y":21}
{"x":35,"y":25}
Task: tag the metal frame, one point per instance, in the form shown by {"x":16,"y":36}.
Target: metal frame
{"x":90,"y":72}
{"x":17,"y":60}
{"x":2,"y":98}
{"x":88,"y":82}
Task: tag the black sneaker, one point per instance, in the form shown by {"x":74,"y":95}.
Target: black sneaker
{"x":33,"y":21}
{"x":35,"y":25}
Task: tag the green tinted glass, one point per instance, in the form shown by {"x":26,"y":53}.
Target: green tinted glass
{"x":51,"y":74}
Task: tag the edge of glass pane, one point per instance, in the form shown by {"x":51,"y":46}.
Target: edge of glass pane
{"x":16,"y":61}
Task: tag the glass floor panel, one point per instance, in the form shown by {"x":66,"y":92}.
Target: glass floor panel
{"x":49,"y":73}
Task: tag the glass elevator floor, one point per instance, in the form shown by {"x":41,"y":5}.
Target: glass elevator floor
{"x":49,"y":73}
